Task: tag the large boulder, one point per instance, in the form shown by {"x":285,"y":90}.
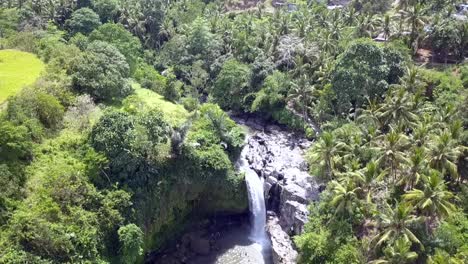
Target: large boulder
{"x":282,"y":248}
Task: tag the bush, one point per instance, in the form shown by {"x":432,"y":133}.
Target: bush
{"x":272,"y":95}
{"x":130,"y":142}
{"x":107,"y":9}
{"x":364,"y":70}
{"x":131,"y":240}
{"x":149,"y":78}
{"x":173,"y":90}
{"x":15,"y":142}
{"x":120,"y":38}
{"x":83,"y":20}
{"x":37,"y":105}
{"x":232,"y":85}
{"x":102,"y":72}
{"x":213,"y":139}
{"x":190,"y":103}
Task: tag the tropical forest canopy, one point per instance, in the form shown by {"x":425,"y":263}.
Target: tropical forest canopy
{"x":124,"y":137}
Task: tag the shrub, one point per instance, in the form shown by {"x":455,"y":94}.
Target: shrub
{"x":232,"y":85}
{"x":102,"y":72}
{"x":131,"y":240}
{"x":83,"y":20}
{"x":149,"y":78}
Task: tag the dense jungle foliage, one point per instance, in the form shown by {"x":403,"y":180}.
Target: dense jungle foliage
{"x":124,"y":137}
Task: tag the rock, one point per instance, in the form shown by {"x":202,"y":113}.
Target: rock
{"x":293,"y":216}
{"x":278,"y":156}
{"x":322,"y":187}
{"x":255,"y":123}
{"x":283,"y":251}
{"x":269,"y":183}
{"x":272,"y":128}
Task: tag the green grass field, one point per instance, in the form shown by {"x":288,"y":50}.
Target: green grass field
{"x":175,"y":114}
{"x":17,"y":69}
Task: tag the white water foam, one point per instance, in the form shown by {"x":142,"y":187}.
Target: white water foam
{"x":256,"y":206}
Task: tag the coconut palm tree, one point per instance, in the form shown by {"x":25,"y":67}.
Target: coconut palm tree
{"x":301,"y":23}
{"x":416,"y":165}
{"x":366,"y":177}
{"x":327,"y":44}
{"x":444,"y":153}
{"x":421,"y":131}
{"x":344,"y":198}
{"x":398,"y":109}
{"x":415,"y":19}
{"x":349,"y":15}
{"x":386,"y":27}
{"x":433,"y":200}
{"x":372,"y":115}
{"x":405,"y":4}
{"x":325,"y":152}
{"x":398,"y":253}
{"x":396,"y":224}
{"x":300,"y":94}
{"x":366,"y":25}
{"x":391,"y":151}
{"x":411,"y":80}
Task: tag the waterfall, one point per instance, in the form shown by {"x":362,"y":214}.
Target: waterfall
{"x":256,"y":205}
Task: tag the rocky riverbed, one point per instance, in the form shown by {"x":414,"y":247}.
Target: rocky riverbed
{"x":277,"y":155}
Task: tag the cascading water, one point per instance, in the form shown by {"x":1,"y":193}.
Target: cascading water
{"x":256,"y":205}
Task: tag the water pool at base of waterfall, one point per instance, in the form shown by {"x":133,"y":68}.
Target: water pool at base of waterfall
{"x":235,"y":247}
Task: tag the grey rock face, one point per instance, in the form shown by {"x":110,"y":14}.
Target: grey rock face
{"x":282,"y":250}
{"x":278,"y":156}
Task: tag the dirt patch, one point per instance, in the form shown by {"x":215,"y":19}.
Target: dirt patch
{"x":423,"y":56}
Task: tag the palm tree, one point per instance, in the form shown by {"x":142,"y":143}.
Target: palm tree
{"x":444,"y":152}
{"x":301,"y":22}
{"x":334,"y":24}
{"x":366,"y":25}
{"x":411,"y":80}
{"x":433,"y":200}
{"x":300,"y":95}
{"x":391,"y":151}
{"x":366,"y":177}
{"x":344,"y":198}
{"x":398,"y":253}
{"x":325,"y":153}
{"x":327,"y":44}
{"x":421,"y":131}
{"x":349,"y":15}
{"x":386,"y":28}
{"x":415,"y":19}
{"x":395,"y":224}
{"x":372,"y":115}
{"x":398,"y":108}
{"x":416,"y":165}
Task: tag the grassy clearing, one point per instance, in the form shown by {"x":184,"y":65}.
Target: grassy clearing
{"x":17,"y":69}
{"x":175,"y":114}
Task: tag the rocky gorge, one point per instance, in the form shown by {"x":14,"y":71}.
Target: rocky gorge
{"x":277,"y":154}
